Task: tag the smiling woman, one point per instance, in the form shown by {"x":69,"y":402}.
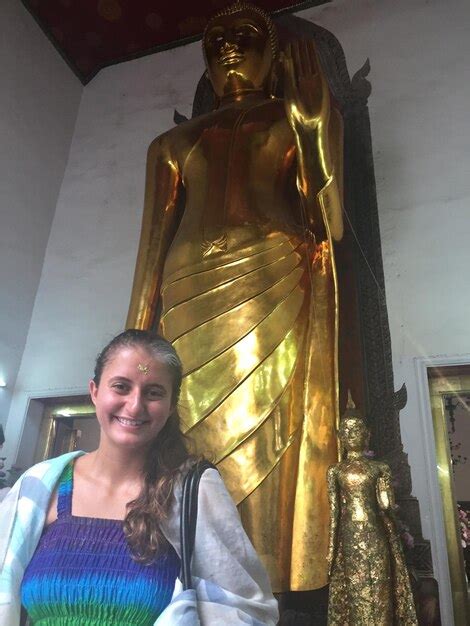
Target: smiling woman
{"x":133,"y":398}
{"x":102,"y":543}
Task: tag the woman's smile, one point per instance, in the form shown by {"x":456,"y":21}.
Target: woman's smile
{"x":130,"y":423}
{"x":133,"y":399}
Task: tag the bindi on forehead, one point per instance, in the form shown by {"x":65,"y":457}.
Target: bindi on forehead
{"x":144,"y":368}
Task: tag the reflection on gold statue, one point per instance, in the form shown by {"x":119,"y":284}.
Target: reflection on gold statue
{"x":369,"y":582}
{"x":236,"y":266}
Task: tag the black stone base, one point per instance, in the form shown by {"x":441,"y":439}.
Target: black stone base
{"x":304,"y":608}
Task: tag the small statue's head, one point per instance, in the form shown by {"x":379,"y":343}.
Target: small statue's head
{"x":240,"y":47}
{"x":353,"y":434}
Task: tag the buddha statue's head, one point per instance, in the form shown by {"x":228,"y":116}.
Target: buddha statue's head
{"x":240,"y":47}
{"x":353,"y":431}
{"x":353,"y":434}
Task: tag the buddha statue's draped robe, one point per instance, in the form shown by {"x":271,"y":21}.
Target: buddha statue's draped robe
{"x":248,"y":298}
{"x":252,"y":313}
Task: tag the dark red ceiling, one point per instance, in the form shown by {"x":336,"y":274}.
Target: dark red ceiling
{"x":91,"y":34}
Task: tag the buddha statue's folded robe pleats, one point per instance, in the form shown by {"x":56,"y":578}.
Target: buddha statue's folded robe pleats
{"x":240,"y":320}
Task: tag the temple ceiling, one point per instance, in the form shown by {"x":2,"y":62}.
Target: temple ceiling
{"x":91,"y":34}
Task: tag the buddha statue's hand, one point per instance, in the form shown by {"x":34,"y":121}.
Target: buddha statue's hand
{"x":306,"y":92}
{"x":307,"y":104}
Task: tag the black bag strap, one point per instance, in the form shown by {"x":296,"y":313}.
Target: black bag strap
{"x":189,"y":500}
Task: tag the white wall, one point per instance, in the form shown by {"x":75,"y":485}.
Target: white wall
{"x":84,"y":291}
{"x":420,"y":131}
{"x":420,"y":78}
{"x":419,"y":107}
{"x":39,"y":98}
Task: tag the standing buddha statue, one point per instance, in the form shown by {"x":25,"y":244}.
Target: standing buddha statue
{"x":369,"y":582}
{"x":236,"y":268}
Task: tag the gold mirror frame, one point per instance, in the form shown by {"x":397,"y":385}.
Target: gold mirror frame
{"x":440,"y":386}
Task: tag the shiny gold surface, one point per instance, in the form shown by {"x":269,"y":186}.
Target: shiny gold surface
{"x":439,"y":388}
{"x":236,"y":267}
{"x":369,"y":582}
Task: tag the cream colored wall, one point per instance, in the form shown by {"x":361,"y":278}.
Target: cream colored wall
{"x":419,"y":107}
{"x":420,"y":133}
{"x":419,"y":118}
{"x":39,"y":99}
{"x":88,"y":268}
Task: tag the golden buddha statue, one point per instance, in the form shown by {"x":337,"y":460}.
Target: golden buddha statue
{"x":236,"y":268}
{"x":369,"y":582}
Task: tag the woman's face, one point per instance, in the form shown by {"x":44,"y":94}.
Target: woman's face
{"x":238,"y":53}
{"x":133,"y":399}
{"x":353,"y":434}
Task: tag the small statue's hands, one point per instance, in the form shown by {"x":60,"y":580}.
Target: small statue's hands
{"x":306,"y":92}
{"x":330,"y":557}
{"x":333,"y":498}
{"x":384,"y":490}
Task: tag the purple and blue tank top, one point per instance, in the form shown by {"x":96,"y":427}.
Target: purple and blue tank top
{"x":83,"y":574}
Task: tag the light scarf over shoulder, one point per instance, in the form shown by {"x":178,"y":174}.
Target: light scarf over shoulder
{"x":22,"y":516}
{"x":224,"y":561}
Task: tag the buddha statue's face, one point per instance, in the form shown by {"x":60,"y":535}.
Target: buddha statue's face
{"x":238,"y":53}
{"x":353,"y":434}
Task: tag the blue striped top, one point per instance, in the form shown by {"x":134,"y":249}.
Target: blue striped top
{"x":83,"y":574}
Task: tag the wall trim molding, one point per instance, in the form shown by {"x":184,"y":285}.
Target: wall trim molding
{"x":30,"y":411}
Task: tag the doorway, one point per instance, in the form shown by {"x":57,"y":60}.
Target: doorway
{"x":449,"y":388}
{"x":67,"y":424}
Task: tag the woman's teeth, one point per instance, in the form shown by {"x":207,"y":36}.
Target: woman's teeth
{"x":127,"y":422}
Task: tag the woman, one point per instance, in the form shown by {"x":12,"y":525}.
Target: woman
{"x":94,"y":539}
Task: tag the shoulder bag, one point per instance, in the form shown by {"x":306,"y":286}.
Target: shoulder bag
{"x":199,"y":602}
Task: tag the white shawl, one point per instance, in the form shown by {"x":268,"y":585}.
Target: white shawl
{"x":223,"y":554}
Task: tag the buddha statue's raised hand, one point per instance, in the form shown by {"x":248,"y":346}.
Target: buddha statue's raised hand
{"x":306,"y":93}
{"x":308,"y":109}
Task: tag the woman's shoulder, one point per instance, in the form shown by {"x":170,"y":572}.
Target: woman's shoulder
{"x":55,"y":462}
{"x":197,"y":466}
{"x":210,"y":484}
{"x":46,"y":472}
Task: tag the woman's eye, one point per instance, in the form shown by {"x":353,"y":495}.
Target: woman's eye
{"x":121,"y":387}
{"x":154,"y":394}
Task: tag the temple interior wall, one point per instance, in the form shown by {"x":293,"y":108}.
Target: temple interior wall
{"x":39,"y":99}
{"x":420,"y":85}
{"x":419,"y":108}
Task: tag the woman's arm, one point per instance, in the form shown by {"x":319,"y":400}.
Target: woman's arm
{"x":22,"y":516}
{"x":223,"y":554}
{"x":159,"y":224}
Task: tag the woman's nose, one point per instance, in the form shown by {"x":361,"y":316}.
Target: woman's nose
{"x":135,"y":402}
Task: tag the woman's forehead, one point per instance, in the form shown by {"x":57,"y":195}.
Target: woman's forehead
{"x":127,"y":355}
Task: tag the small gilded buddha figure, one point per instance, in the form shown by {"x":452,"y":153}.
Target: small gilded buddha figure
{"x":243,"y":206}
{"x":369,"y":582}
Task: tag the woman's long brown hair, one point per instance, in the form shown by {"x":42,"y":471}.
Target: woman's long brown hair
{"x":164,"y":458}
